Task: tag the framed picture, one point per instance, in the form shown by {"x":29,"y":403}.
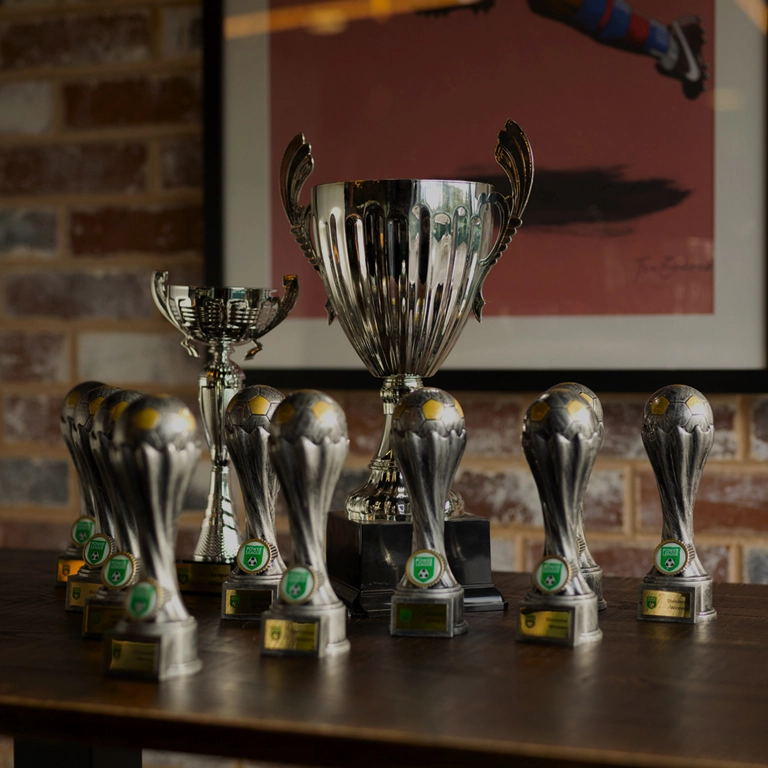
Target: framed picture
{"x":641,"y":259}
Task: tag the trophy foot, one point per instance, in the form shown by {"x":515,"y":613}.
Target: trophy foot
{"x":676,"y":599}
{"x":245,"y":597}
{"x":84,"y":584}
{"x":427,"y":613}
{"x":594,"y":577}
{"x":102,"y":612}
{"x":558,"y":619}
{"x":205,"y":577}
{"x":68,"y":563}
{"x":304,"y":630}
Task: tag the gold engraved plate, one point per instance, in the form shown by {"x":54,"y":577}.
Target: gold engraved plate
{"x":130,"y":656}
{"x":202,"y":577}
{"x":101,"y":619}
{"x":283,"y":635}
{"x":67,"y":568}
{"x":79,"y":592}
{"x":556,"y":624}
{"x":674,"y":605}
{"x":422,"y":617}
{"x":247,"y":602}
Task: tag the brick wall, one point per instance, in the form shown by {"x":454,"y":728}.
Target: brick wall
{"x":100,"y":183}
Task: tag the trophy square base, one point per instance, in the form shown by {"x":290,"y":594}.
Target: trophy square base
{"x":558,"y":620}
{"x":194,"y":576}
{"x":152,"y":651}
{"x":244,"y":603}
{"x":683,"y":601}
{"x":366,"y":561}
{"x":80,"y":587}
{"x":427,"y":613}
{"x":594,"y":577}
{"x":67,"y":566}
{"x":99,"y":617}
{"x":301,"y":630}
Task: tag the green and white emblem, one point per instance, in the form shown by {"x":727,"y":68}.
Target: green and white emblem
{"x":424,"y":568}
{"x":670,"y":557}
{"x":297,"y":585}
{"x":119,"y":571}
{"x":552,"y":574}
{"x":97,"y":550}
{"x":82,"y":530}
{"x":143,"y":601}
{"x":254,"y":556}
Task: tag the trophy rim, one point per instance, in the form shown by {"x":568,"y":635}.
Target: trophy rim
{"x":219,"y":292}
{"x":355,"y":182}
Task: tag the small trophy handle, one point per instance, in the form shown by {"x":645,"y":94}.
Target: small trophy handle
{"x":160,"y":295}
{"x":284,"y":307}
{"x":513,"y":153}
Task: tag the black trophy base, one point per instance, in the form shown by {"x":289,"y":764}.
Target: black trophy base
{"x":366,"y":561}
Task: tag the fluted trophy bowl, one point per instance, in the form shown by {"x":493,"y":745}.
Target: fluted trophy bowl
{"x":222,"y":318}
{"x":403,"y":262}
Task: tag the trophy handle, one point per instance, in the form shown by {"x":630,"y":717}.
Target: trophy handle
{"x":160,"y":295}
{"x":513,"y":153}
{"x":284,"y":307}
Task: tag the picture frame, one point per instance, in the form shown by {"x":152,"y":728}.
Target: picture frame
{"x":721,"y":351}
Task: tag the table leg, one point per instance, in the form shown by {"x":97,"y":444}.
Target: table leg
{"x":35,"y":753}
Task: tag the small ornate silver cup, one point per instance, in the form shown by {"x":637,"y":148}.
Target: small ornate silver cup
{"x":221,"y":318}
{"x":403,"y":263}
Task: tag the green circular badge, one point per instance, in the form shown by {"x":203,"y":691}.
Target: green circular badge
{"x":97,"y":550}
{"x":424,"y":568}
{"x":552,"y":574}
{"x":119,"y":571}
{"x":82,"y":530}
{"x":254,"y":556}
{"x":297,"y":585}
{"x":670,"y":557}
{"x":143,"y":601}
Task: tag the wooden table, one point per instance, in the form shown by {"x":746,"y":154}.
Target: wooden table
{"x":648,"y":695}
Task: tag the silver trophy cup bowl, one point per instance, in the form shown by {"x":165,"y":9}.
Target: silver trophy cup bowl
{"x":403,"y":263}
{"x":222,"y":318}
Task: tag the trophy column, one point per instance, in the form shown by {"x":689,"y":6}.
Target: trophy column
{"x":252,"y":585}
{"x":155,"y":450}
{"x":678,"y":433}
{"x":307,"y":444}
{"x":561,"y":438}
{"x":428,"y":438}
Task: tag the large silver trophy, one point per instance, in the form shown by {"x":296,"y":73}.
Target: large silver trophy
{"x":222,"y":318}
{"x":403,"y":263}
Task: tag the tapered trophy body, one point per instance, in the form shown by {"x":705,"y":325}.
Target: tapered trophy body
{"x":222,"y":318}
{"x":678,"y":432}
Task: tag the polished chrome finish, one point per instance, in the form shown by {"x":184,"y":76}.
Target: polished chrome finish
{"x":221,"y":318}
{"x":308,"y":444}
{"x":428,"y":438}
{"x":155,"y":449}
{"x":593,"y":573}
{"x":561,"y":438}
{"x":403,"y":263}
{"x":678,"y":433}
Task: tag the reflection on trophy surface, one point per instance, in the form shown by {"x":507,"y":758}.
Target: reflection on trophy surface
{"x":561,"y":438}
{"x":251,"y":586}
{"x":71,"y":559}
{"x":678,"y":432}
{"x":121,"y":569}
{"x":308,"y":444}
{"x":403,"y":264}
{"x":428,"y":438}
{"x":221,"y":318}
{"x":154,"y":450}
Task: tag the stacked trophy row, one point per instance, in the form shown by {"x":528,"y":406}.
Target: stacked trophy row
{"x":403,"y":263}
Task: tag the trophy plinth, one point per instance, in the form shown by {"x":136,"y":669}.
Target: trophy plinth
{"x":307,"y":444}
{"x":561,"y":438}
{"x":678,"y":432}
{"x":107,"y":606}
{"x":154,"y":451}
{"x":222,"y":318}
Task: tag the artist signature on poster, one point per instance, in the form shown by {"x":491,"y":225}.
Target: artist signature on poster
{"x":667,"y":267}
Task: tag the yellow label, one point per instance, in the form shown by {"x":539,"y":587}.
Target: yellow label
{"x":98,"y":620}
{"x":421,"y":617}
{"x":202,"y":577}
{"x":78,"y":592}
{"x":283,"y":635}
{"x":129,"y":656}
{"x":555,"y":624}
{"x":67,"y":568}
{"x":246,"y":602}
{"x":673,"y":605}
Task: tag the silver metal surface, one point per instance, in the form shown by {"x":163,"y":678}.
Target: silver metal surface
{"x":155,"y":449}
{"x":678,"y":433}
{"x":221,"y":318}
{"x":308,"y":444}
{"x":593,"y":573}
{"x":403,"y":263}
{"x":428,"y":438}
{"x":561,"y":437}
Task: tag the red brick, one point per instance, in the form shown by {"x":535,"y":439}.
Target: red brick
{"x":182,"y":163}
{"x":33,"y":357}
{"x":38,"y":482}
{"x":73,"y":169}
{"x":759,"y":431}
{"x":33,"y":418}
{"x":182,"y":31}
{"x":494,"y":422}
{"x":20,"y":534}
{"x":727,"y":503}
{"x":156,"y":229}
{"x":132,"y":101}
{"x":365,"y":419}
{"x":73,"y":41}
